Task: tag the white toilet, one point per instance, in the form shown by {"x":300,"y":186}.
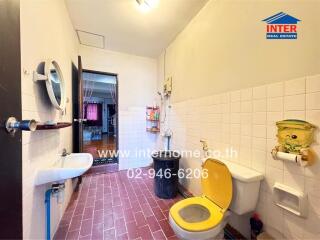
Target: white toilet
{"x":228,"y":186}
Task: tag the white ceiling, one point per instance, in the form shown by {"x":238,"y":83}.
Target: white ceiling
{"x":127,"y":29}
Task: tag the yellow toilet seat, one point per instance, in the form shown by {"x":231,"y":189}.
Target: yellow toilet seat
{"x":217,"y":196}
{"x":215,"y":212}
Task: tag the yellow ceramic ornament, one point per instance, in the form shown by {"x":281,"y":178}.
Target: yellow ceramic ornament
{"x":294,"y":135}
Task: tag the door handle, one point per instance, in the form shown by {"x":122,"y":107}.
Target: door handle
{"x":12,"y":125}
{"x":80,"y":120}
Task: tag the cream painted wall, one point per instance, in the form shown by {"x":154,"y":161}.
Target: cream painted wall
{"x":46,"y":32}
{"x":224,"y":47}
{"x":137,"y":79}
{"x":230,"y":87}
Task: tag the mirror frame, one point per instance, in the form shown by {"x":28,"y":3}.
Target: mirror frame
{"x":50,"y":91}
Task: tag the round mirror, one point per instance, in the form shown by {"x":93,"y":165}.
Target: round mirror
{"x":55,"y":85}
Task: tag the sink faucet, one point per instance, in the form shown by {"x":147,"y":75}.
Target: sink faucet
{"x":64,"y":152}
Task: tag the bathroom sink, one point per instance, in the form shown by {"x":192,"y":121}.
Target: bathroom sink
{"x":67,"y":167}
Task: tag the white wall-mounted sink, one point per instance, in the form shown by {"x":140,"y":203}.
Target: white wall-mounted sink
{"x":71,"y":166}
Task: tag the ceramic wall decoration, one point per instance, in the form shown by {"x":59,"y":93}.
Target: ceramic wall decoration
{"x":294,"y":138}
{"x":294,"y":135}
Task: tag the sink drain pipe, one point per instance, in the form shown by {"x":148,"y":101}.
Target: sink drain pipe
{"x":56,"y":190}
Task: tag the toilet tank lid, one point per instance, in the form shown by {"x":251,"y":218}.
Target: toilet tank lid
{"x":242,"y":173}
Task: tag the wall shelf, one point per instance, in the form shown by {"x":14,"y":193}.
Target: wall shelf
{"x":153,"y":108}
{"x":290,"y":199}
{"x":153,"y":130}
{"x":153,"y":119}
{"x":51,"y":127}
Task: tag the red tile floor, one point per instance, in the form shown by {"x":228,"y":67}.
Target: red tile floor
{"x":112,"y":206}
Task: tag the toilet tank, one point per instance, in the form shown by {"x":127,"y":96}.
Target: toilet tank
{"x":246,"y":186}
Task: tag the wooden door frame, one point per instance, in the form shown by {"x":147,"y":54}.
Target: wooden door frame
{"x":117,"y":99}
{"x":75,"y":108}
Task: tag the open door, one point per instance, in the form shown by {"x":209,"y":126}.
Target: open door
{"x":10,"y":99}
{"x":77,"y":85}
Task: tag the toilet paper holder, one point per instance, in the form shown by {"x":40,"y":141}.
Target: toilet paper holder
{"x":301,"y":159}
{"x":294,"y":138}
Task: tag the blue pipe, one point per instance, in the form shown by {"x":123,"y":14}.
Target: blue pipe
{"x":47,"y":203}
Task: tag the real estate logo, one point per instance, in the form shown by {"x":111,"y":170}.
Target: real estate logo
{"x":281,"y":26}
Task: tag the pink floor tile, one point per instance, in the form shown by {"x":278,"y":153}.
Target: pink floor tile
{"x":133,"y":230}
{"x":120,"y":226}
{"x":166,"y":214}
{"x":99,"y":194}
{"x":108,"y":211}
{"x":125,"y":202}
{"x":61,"y":233}
{"x":158,"y":213}
{"x":123,"y":237}
{"x":97,"y":231}
{"x":66,"y":220}
{"x":79,"y":209}
{"x":86,"y":227}
{"x":166,"y":228}
{"x":136,"y":206}
{"x":129,"y":215}
{"x":98,"y":216}
{"x":140,"y":219}
{"x":108,"y":221}
{"x":74,"y":235}
{"x":162,"y":204}
{"x":111,"y":206}
{"x":146,"y":209}
{"x":75,"y":223}
{"x":145,"y":233}
{"x":173,"y":238}
{"x":109,"y":234}
{"x":152,"y":202}
{"x":85,"y":237}
{"x":88,"y":213}
{"x":98,"y":205}
{"x":159,"y":235}
{"x":90,"y":202}
{"x":153,"y":223}
{"x":118,"y":212}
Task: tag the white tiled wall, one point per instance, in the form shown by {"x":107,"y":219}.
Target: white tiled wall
{"x":134,"y":138}
{"x":245,"y":120}
{"x":43,"y":148}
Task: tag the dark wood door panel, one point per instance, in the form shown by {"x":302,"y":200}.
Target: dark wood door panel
{"x":10,"y":105}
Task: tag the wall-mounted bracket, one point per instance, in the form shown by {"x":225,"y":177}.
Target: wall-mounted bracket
{"x":39,"y":77}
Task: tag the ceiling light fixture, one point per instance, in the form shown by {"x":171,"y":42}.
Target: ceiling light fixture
{"x":147,"y":5}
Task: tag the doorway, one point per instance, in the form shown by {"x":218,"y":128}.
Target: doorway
{"x":99,"y":126}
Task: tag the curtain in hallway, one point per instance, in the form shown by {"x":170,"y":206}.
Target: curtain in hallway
{"x":92,"y":112}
